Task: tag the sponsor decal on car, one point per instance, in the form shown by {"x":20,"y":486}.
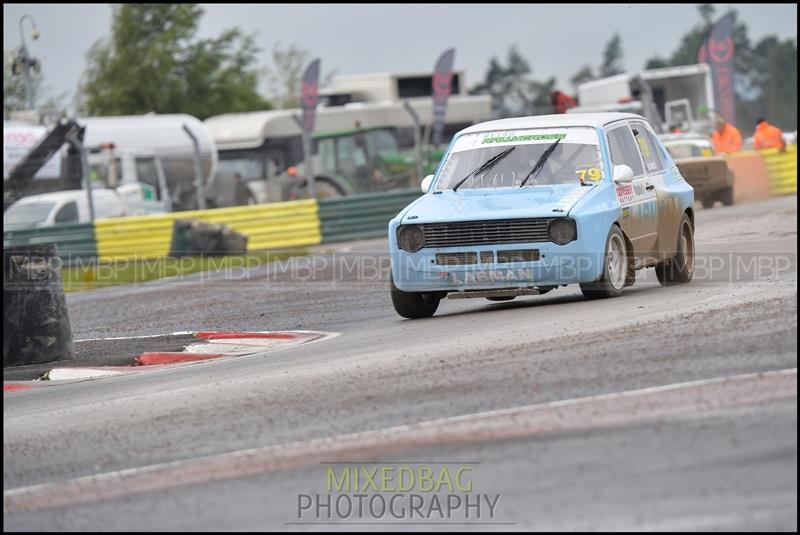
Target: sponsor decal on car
{"x":625,"y":194}
{"x":677,"y":173}
{"x":494,"y":275}
{"x":525,"y":137}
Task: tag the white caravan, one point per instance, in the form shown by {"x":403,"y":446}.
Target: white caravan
{"x":260,"y":146}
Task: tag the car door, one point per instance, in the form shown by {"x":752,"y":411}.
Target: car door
{"x":667,"y":213}
{"x":638,"y":198}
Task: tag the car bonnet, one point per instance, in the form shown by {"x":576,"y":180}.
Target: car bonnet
{"x":508,"y":203}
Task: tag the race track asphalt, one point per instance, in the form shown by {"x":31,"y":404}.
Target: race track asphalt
{"x":716,"y":457}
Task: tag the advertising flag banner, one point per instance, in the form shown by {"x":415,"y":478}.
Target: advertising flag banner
{"x":717,"y":51}
{"x":442,"y":87}
{"x":309,"y":96}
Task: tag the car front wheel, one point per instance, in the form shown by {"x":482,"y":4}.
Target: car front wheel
{"x":414,"y":305}
{"x":680,"y":268}
{"x":615,"y":269}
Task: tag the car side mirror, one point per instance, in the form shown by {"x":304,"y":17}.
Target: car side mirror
{"x":426,"y":183}
{"x":623,"y":174}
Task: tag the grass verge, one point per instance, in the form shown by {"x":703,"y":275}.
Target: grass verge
{"x":102,"y":274}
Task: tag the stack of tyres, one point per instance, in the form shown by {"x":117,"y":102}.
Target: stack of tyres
{"x":194,"y":237}
{"x":36,"y":325}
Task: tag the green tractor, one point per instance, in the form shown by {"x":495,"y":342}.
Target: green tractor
{"x":359,"y":160}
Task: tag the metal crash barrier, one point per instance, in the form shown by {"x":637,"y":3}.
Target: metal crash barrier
{"x":75,"y":241}
{"x":361,"y":216}
{"x":267,"y":226}
{"x":759,"y":174}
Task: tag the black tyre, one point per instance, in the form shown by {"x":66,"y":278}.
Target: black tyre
{"x":615,"y":268}
{"x":323,"y":189}
{"x":726,"y":196}
{"x":708,"y":201}
{"x":414,"y":305}
{"x":680,"y":268}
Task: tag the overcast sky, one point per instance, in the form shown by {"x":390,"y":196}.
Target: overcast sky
{"x":354,"y":38}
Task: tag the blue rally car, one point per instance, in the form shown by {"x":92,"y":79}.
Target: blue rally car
{"x":521,"y":206}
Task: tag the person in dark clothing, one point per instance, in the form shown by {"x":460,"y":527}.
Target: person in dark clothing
{"x":243,"y":195}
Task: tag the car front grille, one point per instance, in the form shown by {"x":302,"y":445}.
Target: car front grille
{"x":526,"y":255}
{"x":486,"y":232}
{"x":456,"y":259}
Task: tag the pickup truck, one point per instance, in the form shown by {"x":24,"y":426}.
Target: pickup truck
{"x":46,"y":209}
{"x":708,"y":173}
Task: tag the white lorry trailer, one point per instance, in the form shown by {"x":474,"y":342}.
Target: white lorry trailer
{"x":149,"y":159}
{"x":672,"y":96}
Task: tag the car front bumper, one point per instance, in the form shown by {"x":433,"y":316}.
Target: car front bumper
{"x":423,"y":271}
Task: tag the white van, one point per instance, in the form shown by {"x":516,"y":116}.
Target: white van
{"x":46,"y":209}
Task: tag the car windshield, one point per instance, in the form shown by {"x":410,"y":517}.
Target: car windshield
{"x":574,"y":159}
{"x":22,"y":214}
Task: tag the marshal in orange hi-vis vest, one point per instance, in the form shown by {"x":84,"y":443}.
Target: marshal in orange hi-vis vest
{"x":728,"y":140}
{"x":767,"y":136}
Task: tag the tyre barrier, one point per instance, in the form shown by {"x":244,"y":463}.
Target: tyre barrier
{"x":36,"y":325}
{"x":192,"y":237}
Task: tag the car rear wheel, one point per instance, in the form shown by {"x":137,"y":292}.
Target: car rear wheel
{"x":615,"y":268}
{"x":680,"y":268}
{"x":726,"y":196}
{"x":414,"y":305}
{"x":708,"y":201}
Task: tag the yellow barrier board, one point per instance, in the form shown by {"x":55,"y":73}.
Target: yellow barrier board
{"x":267,"y":226}
{"x":778,"y":174}
{"x":781,"y":170}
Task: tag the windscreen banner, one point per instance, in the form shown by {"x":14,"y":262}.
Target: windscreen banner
{"x":442,"y":87}
{"x":717,"y":51}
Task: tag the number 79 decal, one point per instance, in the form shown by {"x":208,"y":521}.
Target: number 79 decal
{"x":592,"y":173}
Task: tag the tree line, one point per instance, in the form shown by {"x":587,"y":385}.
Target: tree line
{"x":153,"y":61}
{"x":765,"y":83}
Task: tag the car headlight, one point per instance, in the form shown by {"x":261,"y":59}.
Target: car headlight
{"x":562,"y":230}
{"x":410,"y":238}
